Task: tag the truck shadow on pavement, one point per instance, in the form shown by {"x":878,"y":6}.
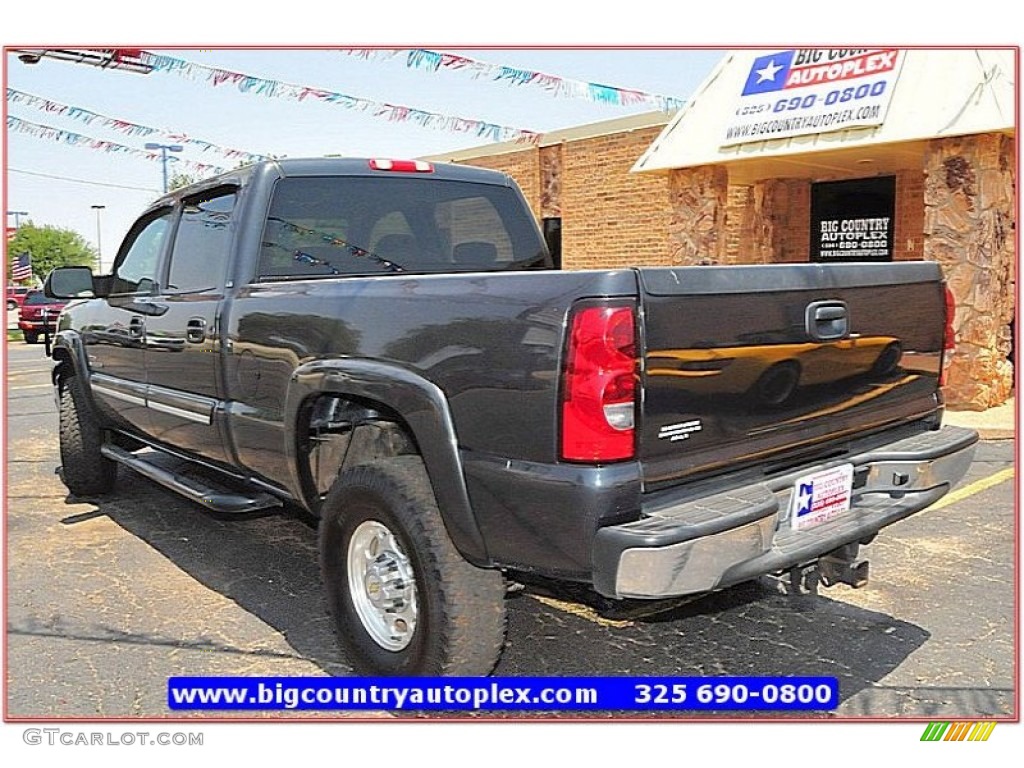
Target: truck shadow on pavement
{"x":268,"y":566}
{"x":751,"y":629}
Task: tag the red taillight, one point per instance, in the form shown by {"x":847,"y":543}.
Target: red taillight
{"x":401,"y":166}
{"x":949,"y":344}
{"x":599,"y":385}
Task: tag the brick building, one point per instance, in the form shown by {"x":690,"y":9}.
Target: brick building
{"x":579,"y":181}
{"x":768,"y":163}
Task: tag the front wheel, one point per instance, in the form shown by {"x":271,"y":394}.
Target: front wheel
{"x":84,"y":470}
{"x":31,"y":337}
{"x":404,"y":600}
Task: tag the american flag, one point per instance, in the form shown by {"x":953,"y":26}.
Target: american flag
{"x":21,"y":268}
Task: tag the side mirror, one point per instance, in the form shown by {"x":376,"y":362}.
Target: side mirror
{"x":71,"y":283}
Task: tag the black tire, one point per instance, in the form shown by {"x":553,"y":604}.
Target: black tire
{"x":777,"y":384}
{"x":31,"y":337}
{"x":84,"y":470}
{"x":458,"y":624}
{"x":11,"y":305}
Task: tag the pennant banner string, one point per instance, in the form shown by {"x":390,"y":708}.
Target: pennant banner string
{"x":434,"y":61}
{"x":392,"y":112}
{"x":78,"y":140}
{"x":126,"y":127}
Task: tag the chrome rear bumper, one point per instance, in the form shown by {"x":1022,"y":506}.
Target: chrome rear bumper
{"x":742,"y":533}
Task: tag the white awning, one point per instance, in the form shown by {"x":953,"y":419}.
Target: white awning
{"x":936,"y":93}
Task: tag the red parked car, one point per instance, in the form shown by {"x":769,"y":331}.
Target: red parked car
{"x":16,"y":296}
{"x":38,"y":313}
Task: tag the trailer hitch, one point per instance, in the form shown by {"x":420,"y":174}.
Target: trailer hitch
{"x":841,"y":566}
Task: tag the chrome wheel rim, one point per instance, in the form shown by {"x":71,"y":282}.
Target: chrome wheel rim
{"x":382,"y":585}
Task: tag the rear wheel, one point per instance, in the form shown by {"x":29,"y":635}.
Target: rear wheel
{"x":31,"y":337}
{"x":404,"y":600}
{"x":84,"y":470}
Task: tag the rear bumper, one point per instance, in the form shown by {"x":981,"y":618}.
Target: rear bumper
{"x":742,"y":533}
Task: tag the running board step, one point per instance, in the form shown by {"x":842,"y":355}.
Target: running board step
{"x":230,"y":502}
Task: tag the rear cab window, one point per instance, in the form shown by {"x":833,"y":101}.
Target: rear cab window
{"x":357,"y":225}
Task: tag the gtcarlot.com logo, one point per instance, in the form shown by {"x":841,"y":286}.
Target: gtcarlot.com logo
{"x":72,"y":738}
{"x":976,"y":731}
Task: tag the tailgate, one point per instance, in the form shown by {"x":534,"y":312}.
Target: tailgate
{"x":743,"y":364}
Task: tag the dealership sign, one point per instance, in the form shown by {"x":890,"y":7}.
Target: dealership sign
{"x":807,"y":91}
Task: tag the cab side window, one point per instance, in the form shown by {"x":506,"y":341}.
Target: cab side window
{"x":136,"y":271}
{"x":199,"y":258}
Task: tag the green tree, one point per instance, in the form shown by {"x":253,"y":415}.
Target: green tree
{"x":50,"y":247}
{"x":179,"y":180}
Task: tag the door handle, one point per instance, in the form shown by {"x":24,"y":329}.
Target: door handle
{"x":136,"y":327}
{"x":195,"y":331}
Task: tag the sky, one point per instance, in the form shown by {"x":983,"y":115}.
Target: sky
{"x":58,"y":183}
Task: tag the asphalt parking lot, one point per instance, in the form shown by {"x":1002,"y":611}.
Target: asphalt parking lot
{"x":107,"y":599}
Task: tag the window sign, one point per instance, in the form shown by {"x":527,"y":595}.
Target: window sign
{"x":853,"y":220}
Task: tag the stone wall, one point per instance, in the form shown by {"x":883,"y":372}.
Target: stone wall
{"x":697,"y":228}
{"x":551,"y":182}
{"x":969,"y":226}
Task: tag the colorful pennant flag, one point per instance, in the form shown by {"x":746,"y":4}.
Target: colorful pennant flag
{"x":78,"y":140}
{"x":434,"y":61}
{"x":280,"y":90}
{"x":88,"y":117}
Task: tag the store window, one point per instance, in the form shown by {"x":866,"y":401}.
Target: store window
{"x":853,"y":220}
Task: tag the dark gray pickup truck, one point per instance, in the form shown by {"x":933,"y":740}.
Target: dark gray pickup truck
{"x":386,"y":345}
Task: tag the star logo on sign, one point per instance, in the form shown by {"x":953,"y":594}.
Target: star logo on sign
{"x":768,"y":72}
{"x":805,"y":499}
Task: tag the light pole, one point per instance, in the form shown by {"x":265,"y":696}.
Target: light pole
{"x":164,"y":149}
{"x":17,"y":217}
{"x":99,"y":241}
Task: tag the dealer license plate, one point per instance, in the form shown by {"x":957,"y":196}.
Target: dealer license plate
{"x":820,"y":497}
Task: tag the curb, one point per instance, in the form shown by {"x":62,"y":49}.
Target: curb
{"x":988,"y":426}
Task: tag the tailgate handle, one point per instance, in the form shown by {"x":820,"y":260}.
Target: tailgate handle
{"x":827,"y":320}
{"x":195,"y":331}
